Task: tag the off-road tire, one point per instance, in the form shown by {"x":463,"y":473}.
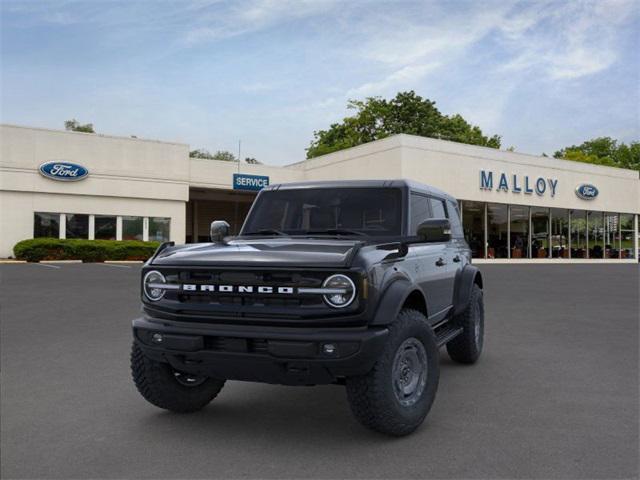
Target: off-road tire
{"x":372,"y":396}
{"x":156,"y":382}
{"x":467,"y":347}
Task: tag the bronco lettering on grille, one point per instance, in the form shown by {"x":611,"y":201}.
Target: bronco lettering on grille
{"x":191,"y":287}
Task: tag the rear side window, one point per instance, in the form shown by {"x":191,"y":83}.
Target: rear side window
{"x":420,"y":211}
{"x":454,"y":218}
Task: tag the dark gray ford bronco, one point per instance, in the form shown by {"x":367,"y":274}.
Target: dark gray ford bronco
{"x":356,"y":283}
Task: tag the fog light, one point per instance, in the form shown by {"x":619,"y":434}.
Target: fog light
{"x":329,"y":348}
{"x":156,"y":338}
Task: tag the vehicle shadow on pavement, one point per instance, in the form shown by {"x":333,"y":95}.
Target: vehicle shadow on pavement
{"x":276,"y":413}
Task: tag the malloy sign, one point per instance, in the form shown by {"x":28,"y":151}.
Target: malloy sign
{"x":514,"y":183}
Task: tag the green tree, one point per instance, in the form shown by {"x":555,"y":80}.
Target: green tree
{"x":219,"y":155}
{"x":74,"y":126}
{"x":604,"y":151}
{"x":252,"y":161}
{"x":377,"y":118}
{"x":201,"y":153}
{"x":225,"y":156}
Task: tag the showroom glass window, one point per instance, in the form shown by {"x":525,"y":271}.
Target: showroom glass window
{"x":105,"y":227}
{"x":497,"y":227}
{"x":595,"y":237}
{"x":539,"y":232}
{"x":132,"y":228}
{"x":626,"y":236}
{"x":559,"y":233}
{"x":46,"y":225}
{"x":578,"y":234}
{"x":159,"y":229}
{"x":611,"y":235}
{"x":77,"y":226}
{"x":473,"y":225}
{"x":519,"y":231}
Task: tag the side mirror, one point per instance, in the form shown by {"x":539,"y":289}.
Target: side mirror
{"x":435,"y":230}
{"x":219,"y":230}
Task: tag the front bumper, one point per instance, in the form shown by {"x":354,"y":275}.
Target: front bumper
{"x":289,"y":356}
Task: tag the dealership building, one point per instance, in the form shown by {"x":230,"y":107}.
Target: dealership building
{"x":515,"y":207}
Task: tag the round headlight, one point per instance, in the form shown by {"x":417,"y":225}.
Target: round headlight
{"x":342,"y":290}
{"x":152,"y":285}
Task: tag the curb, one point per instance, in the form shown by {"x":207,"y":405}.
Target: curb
{"x":124,"y":261}
{"x":7,"y":261}
{"x":60,"y":261}
{"x":554,"y":261}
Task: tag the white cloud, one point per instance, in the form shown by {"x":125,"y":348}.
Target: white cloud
{"x":405,"y":77}
{"x":405,"y":39}
{"x":564,"y":41}
{"x":246,"y":17}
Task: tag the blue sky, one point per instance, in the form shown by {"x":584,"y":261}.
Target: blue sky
{"x":542,"y":74}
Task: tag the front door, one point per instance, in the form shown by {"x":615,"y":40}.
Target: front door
{"x":433,"y":268}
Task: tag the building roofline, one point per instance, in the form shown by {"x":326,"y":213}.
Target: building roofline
{"x":117,"y":137}
{"x":477,"y":151}
{"x":353,"y":149}
{"x":529,"y":156}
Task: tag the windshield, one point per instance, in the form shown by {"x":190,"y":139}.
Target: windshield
{"x":336,"y":211}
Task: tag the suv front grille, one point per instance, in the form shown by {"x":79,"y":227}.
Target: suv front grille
{"x":205,"y":306}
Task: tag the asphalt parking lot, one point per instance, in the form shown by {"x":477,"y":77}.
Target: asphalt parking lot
{"x":555,"y":394}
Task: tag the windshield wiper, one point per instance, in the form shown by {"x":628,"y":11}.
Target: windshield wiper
{"x":267,"y":231}
{"x":335,"y":231}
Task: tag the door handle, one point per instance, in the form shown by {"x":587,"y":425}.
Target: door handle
{"x":456,"y":258}
{"x":440,"y":262}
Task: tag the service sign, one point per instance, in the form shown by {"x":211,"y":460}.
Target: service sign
{"x":586,"y":191}
{"x":63,"y":171}
{"x":243,"y":181}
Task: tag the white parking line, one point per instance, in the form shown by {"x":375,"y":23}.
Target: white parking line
{"x":46,"y":265}
{"x":114,"y":265}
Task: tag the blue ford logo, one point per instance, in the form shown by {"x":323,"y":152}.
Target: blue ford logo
{"x":64,"y":171}
{"x":586,"y":191}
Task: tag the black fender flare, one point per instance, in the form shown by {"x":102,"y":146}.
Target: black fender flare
{"x":392,"y":300}
{"x":465,"y":280}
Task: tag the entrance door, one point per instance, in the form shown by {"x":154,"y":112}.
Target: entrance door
{"x":207,"y":205}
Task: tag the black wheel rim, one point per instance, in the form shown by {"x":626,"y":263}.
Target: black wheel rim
{"x":409,"y":372}
{"x":188,"y":379}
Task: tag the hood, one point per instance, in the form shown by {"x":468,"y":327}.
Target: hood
{"x":276,"y":252}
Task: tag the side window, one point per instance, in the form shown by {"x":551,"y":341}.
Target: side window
{"x":454,"y":218}
{"x":438,"y":208}
{"x":420,"y":211}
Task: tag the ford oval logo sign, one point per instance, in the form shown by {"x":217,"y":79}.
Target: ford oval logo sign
{"x":586,"y":191}
{"x":63,"y":171}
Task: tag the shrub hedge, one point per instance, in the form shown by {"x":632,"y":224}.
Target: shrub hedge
{"x":37,"y":249}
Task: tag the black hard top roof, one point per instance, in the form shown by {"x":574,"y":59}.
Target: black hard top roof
{"x":398,"y":183}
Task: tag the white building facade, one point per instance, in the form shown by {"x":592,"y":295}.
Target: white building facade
{"x":514,"y":207}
